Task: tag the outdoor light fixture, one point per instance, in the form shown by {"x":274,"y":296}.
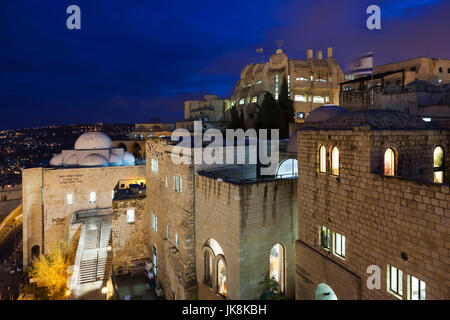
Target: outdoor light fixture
{"x":68,"y":293}
{"x":104,"y":290}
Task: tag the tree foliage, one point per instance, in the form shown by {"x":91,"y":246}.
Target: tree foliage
{"x":237,"y":119}
{"x":271,"y":289}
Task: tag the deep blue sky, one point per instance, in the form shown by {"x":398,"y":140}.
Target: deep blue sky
{"x":137,"y":59}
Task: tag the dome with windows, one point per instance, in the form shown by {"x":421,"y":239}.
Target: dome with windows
{"x":93,"y":149}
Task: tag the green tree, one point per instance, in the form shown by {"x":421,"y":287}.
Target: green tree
{"x":237,"y":120}
{"x":287,"y":108}
{"x":271,"y":289}
{"x":269,"y":115}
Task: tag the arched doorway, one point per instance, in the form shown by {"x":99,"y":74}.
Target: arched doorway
{"x":278,"y":265}
{"x":324,"y":292}
{"x":287,"y":169}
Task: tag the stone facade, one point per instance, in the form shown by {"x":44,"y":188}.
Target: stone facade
{"x":129,"y":240}
{"x":401,"y":220}
{"x":246,"y":220}
{"x":47,"y":216}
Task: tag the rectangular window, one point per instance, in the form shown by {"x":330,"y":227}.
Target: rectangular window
{"x":180,"y":185}
{"x":130,"y":215}
{"x":69,"y":199}
{"x":154,"y":165}
{"x":175,"y":183}
{"x":154,"y":222}
{"x":167,"y":182}
{"x":300,"y":115}
{"x":416,"y":288}
{"x":168,"y":231}
{"x":324,"y":237}
{"x":176,"y":239}
{"x":301,"y":79}
{"x":327,"y":99}
{"x":339,"y":245}
{"x":318,"y":99}
{"x":300,"y":97}
{"x":395,"y":279}
{"x":92,"y":197}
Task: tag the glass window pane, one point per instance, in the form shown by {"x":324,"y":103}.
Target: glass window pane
{"x":394,"y":279}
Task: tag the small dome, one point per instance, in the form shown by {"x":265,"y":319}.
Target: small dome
{"x":56,"y":161}
{"x":115,"y":160}
{"x":71,"y":161}
{"x":93,"y":160}
{"x":128,"y":159}
{"x":93,"y":140}
{"x":324,"y":113}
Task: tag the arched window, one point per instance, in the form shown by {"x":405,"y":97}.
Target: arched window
{"x":335,"y":161}
{"x":438,"y":164}
{"x":322,"y":159}
{"x":324,"y":292}
{"x":208,"y":267}
{"x":389,"y":162}
{"x":221,"y":277}
{"x":277,"y":265}
{"x":288,"y":169}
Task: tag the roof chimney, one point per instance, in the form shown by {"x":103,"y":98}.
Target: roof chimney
{"x":319,"y":54}
{"x":329,"y":52}
{"x":309,"y":54}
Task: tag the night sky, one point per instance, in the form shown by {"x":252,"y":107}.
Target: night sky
{"x":133,"y":60}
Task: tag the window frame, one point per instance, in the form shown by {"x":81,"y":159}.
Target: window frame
{"x":322,"y":158}
{"x":134,"y":215}
{"x":419,"y":285}
{"x":327,"y":233}
{"x":394,"y":162}
{"x":92,"y":194}
{"x":332,"y":158}
{"x":438,"y":169}
{"x":71,"y":199}
{"x":342,"y":245}
{"x":398,"y":292}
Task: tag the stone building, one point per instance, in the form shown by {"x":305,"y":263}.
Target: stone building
{"x":78,"y":181}
{"x":181,"y":227}
{"x":311,"y":83}
{"x":129,"y":225}
{"x":374,"y":193}
{"x":10,"y":198}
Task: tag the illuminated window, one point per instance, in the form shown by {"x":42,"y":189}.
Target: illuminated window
{"x":318,"y":99}
{"x":276,"y":86}
{"x":327,"y":99}
{"x":323,"y":159}
{"x":154,"y":165}
{"x":339,"y":245}
{"x":395,"y":279}
{"x":300,"y":115}
{"x":130,"y":216}
{"x":242,"y":101}
{"x":438,"y":162}
{"x":167,"y":182}
{"x":277,"y":265}
{"x":69,"y":199}
{"x":335,"y":161}
{"x":301,"y":79}
{"x":416,"y":289}
{"x":176,"y":239}
{"x":324,"y":238}
{"x":154,"y":222}
{"x":287,"y":169}
{"x":208,"y":267}
{"x":168,"y":231}
{"x":221,"y":277}
{"x":389,"y":162}
{"x":300,"y":97}
{"x":312,"y":78}
{"x":255,"y":99}
{"x":92,"y":197}
{"x":178,"y":184}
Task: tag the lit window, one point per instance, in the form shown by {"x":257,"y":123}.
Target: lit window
{"x":416,"y":289}
{"x":176,"y":239}
{"x":208,"y":267}
{"x":69,"y":199}
{"x":324,"y":237}
{"x":258,"y":82}
{"x":92,"y":197}
{"x":242,"y":101}
{"x":395,"y":279}
{"x":255,"y":99}
{"x":154,"y":165}
{"x":327,"y":99}
{"x":309,"y":98}
{"x":154,"y":222}
{"x":301,"y":79}
{"x":130,"y":216}
{"x":300,"y":115}
{"x":312,"y":78}
{"x":180,"y":185}
{"x":389,"y":162}
{"x":323,"y":159}
{"x":221,"y":278}
{"x":335,"y":161}
{"x":300,"y":97}
{"x":168,"y":231}
{"x":438,"y":163}
{"x":339,"y":245}
{"x":167,"y":182}
{"x":277,"y":265}
{"x":318,"y":99}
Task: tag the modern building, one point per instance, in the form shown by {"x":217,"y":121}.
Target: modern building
{"x":373,"y":199}
{"x":311,"y":83}
{"x":78,"y":182}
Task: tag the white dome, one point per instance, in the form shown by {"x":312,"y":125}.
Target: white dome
{"x":93,"y":140}
{"x":56,"y":161}
{"x":93,"y":160}
{"x":71,"y":161}
{"x":128,"y":159}
{"x":115,"y":160}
